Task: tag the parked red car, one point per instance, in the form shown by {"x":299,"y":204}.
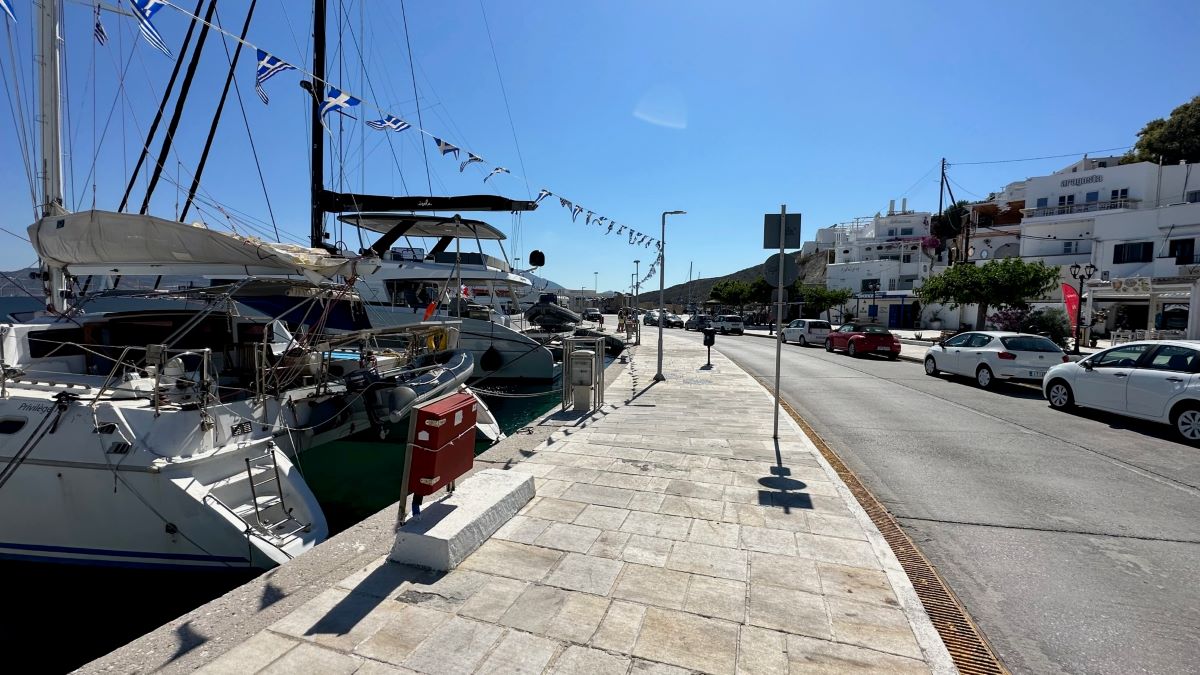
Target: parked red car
{"x":860,"y":339}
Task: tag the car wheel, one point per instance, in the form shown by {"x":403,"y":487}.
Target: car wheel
{"x":1186,"y":421}
{"x":828,"y":345}
{"x":1059,"y":395}
{"x":852,"y":350}
{"x":802,"y":342}
{"x":984,"y":377}
{"x":931,"y":368}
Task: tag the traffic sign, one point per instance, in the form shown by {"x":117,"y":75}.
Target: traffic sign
{"x":791,"y":271}
{"x":791,"y":234}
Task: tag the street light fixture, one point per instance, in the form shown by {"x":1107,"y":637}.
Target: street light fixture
{"x":662,"y":308}
{"x":1080,"y":274}
{"x":637,"y":291}
{"x":875,"y":309}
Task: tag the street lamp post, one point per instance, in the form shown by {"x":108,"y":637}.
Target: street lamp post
{"x":1080,"y":274}
{"x":875,"y":308}
{"x":662,"y":305}
{"x":637,"y":291}
{"x":596,"y":284}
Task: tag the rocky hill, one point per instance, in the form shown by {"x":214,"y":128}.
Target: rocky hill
{"x":812,"y":271}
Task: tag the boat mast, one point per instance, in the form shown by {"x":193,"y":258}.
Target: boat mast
{"x":318,"y":140}
{"x":49,"y":121}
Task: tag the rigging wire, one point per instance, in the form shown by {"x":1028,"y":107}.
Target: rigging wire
{"x":416,"y":94}
{"x":20,"y":127}
{"x":1032,"y":159}
{"x":504,"y":94}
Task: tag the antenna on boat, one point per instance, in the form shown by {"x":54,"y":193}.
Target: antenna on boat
{"x":318,"y":140}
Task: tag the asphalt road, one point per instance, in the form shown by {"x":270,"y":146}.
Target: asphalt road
{"x":1072,"y":538}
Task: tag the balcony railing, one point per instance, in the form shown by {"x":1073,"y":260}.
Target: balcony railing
{"x":1085,"y":207}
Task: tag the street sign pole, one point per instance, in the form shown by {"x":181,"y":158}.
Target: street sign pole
{"x":779,"y":312}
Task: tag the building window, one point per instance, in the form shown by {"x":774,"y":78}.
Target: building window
{"x":891,"y":284}
{"x":868,"y":285}
{"x":1070,"y":247}
{"x":907,"y":258}
{"x":1102,"y":165}
{"x":891,"y":232}
{"x":1043,"y":202}
{"x":1182,"y":250}
{"x":1066,"y":200}
{"x":1136,"y":252}
{"x":1193,"y":197}
{"x":1123,"y":193}
{"x":1092,"y":197}
{"x":906,"y":231}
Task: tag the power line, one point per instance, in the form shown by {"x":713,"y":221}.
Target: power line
{"x":1032,"y":159}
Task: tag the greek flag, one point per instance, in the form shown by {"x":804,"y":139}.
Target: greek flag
{"x":542,"y":194}
{"x":471,"y":159}
{"x":336,"y":99}
{"x":8,"y":10}
{"x":600,"y":220}
{"x":144,"y":10}
{"x":575,"y":211}
{"x":390,"y":122}
{"x":588,"y":219}
{"x":564,"y":202}
{"x":268,"y":67}
{"x":445,"y":148}
{"x":497,"y":170}
{"x":98,"y":30}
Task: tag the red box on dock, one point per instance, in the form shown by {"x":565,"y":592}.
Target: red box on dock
{"x":444,"y":420}
{"x":434,"y":469}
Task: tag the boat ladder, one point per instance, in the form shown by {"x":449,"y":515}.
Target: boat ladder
{"x":262,"y":471}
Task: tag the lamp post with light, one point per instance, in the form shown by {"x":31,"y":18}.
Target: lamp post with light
{"x":662,"y":307}
{"x":1080,"y":274}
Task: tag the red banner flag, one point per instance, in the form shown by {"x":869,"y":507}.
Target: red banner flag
{"x":1071,"y":303}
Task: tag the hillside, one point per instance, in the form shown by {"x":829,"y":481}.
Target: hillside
{"x":812,"y":271}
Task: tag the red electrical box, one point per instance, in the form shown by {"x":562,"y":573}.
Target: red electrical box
{"x":442,"y":442}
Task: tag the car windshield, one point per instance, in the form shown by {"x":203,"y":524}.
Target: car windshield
{"x":732,"y":319}
{"x":1029,"y":343}
{"x":873,"y":330}
{"x":818,"y":325}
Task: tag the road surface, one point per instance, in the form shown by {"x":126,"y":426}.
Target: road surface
{"x":1072,"y":538}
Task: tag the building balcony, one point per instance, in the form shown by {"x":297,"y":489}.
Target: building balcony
{"x":1085,"y":207}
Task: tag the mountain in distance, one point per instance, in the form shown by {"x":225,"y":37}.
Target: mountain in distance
{"x":812,"y":273}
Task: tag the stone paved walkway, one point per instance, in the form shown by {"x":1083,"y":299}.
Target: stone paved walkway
{"x":669,"y":535}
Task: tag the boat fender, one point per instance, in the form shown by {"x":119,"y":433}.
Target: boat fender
{"x":491,"y":360}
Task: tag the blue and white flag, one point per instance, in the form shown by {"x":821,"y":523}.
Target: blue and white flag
{"x":337,"y":100}
{"x":564,"y":202}
{"x":445,"y":148}
{"x":588,"y":219}
{"x":575,"y":211}
{"x":621,"y":230}
{"x":268,"y":67}
{"x":471,"y":159}
{"x":98,"y":29}
{"x":542,"y":194}
{"x":495,"y":171}
{"x":390,"y":122}
{"x":8,"y":10}
{"x":600,"y":219}
{"x":144,"y":10}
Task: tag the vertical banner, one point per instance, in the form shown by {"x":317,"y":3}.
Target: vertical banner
{"x":1071,"y":304}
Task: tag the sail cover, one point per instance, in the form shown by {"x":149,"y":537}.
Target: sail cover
{"x":104,"y":242}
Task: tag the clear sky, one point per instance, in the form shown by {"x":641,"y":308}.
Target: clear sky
{"x":629,"y":108}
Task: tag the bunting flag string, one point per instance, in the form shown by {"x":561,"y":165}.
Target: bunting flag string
{"x":144,"y":10}
{"x":338,"y":100}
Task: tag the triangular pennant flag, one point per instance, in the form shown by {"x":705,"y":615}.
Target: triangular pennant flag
{"x":445,"y":148}
{"x":588,"y":219}
{"x":499,"y":170}
{"x":337,"y":100}
{"x":268,"y":67}
{"x":542,"y":194}
{"x":621,"y":230}
{"x":471,"y":159}
{"x":144,"y":10}
{"x":564,"y":202}
{"x":575,"y":211}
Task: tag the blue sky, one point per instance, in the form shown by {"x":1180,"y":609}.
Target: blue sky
{"x":632,"y":108}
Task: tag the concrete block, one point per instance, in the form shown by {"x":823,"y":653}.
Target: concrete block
{"x":448,"y":531}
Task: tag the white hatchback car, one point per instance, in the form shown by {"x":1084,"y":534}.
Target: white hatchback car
{"x":988,"y":356}
{"x":1154,"y":380}
{"x":805,"y":332}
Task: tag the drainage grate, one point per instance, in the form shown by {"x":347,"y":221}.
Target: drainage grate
{"x":967,"y":646}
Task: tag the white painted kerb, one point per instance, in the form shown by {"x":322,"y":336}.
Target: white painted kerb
{"x":449,"y":530}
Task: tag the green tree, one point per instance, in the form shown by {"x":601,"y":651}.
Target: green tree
{"x":731,"y":292}
{"x":1005,"y":284}
{"x":760,"y":291}
{"x":819,"y":299}
{"x":1171,"y":140}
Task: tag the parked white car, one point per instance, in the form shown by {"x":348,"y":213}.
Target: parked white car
{"x":1153,"y":380}
{"x":728,"y":323}
{"x":989,"y":356}
{"x":805,"y":332}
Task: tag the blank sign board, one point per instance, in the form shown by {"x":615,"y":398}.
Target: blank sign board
{"x":791,"y":234}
